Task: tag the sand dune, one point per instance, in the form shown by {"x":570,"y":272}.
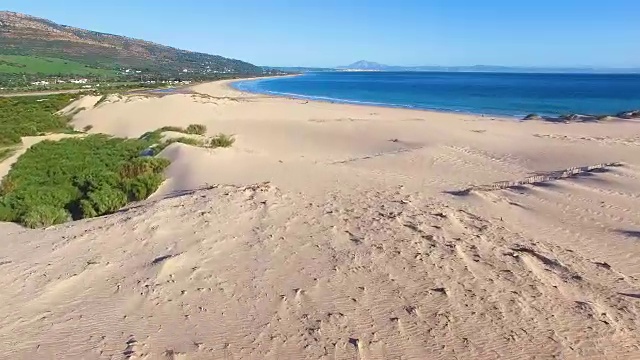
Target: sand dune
{"x":331,"y":231}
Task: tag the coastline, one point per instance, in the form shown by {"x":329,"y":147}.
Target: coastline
{"x":549,"y":108}
{"x":230,"y":85}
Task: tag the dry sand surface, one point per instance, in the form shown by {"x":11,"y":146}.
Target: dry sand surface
{"x":333,"y":231}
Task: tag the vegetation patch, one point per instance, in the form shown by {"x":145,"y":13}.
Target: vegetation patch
{"x":221,"y":140}
{"x":156,"y":135}
{"x":197,"y":129}
{"x":76,"y":178}
{"x":31,"y":116}
{"x":6,"y":153}
{"x":14,"y":64}
{"x":102,"y":99}
{"x":185,"y":140}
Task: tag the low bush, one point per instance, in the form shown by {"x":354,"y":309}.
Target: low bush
{"x":197,"y":129}
{"x":44,"y":215}
{"x":77,"y":178}
{"x":31,"y":116}
{"x":221,"y":140}
{"x":152,"y":137}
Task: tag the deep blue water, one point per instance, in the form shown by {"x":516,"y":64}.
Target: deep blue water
{"x":483,"y":93}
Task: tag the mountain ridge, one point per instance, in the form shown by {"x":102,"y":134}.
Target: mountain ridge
{"x":22,"y":34}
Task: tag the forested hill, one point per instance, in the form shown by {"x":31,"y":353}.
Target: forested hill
{"x":31,"y":36}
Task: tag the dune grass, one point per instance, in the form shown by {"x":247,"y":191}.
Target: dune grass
{"x":185,"y":140}
{"x":197,"y":129}
{"x":221,"y":140}
{"x":102,"y":99}
{"x":76,"y":178}
{"x":156,"y":135}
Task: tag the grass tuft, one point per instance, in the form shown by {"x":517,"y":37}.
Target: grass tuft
{"x":197,"y":129}
{"x":221,"y":140}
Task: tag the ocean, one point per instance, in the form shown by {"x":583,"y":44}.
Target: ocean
{"x":480,"y":93}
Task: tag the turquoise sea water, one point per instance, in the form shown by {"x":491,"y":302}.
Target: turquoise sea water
{"x":482,"y":93}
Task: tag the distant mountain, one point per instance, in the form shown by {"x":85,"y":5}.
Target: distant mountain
{"x":31,"y":36}
{"x":363,"y":65}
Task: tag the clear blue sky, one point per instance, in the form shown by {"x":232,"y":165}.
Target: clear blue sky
{"x":603,"y":33}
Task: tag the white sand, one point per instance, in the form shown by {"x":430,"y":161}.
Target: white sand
{"x":316,"y":236}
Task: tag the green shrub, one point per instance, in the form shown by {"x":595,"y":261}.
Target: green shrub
{"x":221,"y":140}
{"x":143,"y":186}
{"x":197,"y":129}
{"x":10,"y":138}
{"x":152,"y":137}
{"x":30,"y":116}
{"x":6,"y":213}
{"x":87,"y":210}
{"x":6,"y":153}
{"x":43,"y":216}
{"x":142,"y":166}
{"x":80,"y":177}
{"x":107,"y":200}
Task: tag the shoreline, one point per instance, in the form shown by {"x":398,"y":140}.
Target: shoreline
{"x":229,"y":84}
{"x":547,"y":117}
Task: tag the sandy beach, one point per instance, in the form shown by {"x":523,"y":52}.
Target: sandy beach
{"x":336,"y":231}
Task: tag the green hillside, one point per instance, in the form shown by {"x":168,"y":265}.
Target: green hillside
{"x":17,"y":64}
{"x":36,"y":41}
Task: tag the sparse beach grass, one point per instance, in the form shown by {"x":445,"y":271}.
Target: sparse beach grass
{"x":197,"y":137}
{"x":221,"y":140}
